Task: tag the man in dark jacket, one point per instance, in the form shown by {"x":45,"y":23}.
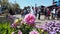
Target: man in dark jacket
{"x":39,"y":13}
{"x":58,"y":14}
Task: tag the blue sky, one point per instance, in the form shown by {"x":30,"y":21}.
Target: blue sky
{"x":24,"y":3}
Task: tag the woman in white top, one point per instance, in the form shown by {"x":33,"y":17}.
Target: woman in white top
{"x":53,"y":13}
{"x":33,"y":11}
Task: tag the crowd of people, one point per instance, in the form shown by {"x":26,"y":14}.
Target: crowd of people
{"x":47,"y":12}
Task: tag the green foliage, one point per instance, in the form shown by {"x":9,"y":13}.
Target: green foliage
{"x":25,"y":28}
{"x":42,"y":32}
{"x":5,"y":28}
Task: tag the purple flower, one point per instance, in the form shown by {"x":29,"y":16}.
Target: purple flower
{"x":58,"y":29}
{"x":48,"y":28}
{"x":29,"y":19}
{"x":57,"y":24}
{"x":51,"y":26}
{"x":19,"y":32}
{"x":55,"y":29}
{"x":52,"y":32}
{"x":34,"y":32}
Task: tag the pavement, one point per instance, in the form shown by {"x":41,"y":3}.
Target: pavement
{"x":41,"y":21}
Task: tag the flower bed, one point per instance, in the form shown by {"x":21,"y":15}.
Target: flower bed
{"x":28,"y":26}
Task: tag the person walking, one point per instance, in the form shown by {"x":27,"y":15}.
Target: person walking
{"x":28,"y":10}
{"x":45,"y":13}
{"x":11,"y":12}
{"x":53,"y":13}
{"x":36,"y":10}
{"x":48,"y":13}
{"x":58,"y":14}
{"x":39,"y":12}
{"x":33,"y":11}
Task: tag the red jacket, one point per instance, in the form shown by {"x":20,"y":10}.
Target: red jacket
{"x":49,"y":12}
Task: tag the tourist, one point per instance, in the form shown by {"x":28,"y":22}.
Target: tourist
{"x":53,"y":13}
{"x":42,"y":10}
{"x":48,"y":13}
{"x":33,"y":11}
{"x":24,"y":12}
{"x":36,"y":10}
{"x":39,"y":13}
{"x":11,"y":12}
{"x":28,"y":10}
{"x":45,"y":13}
{"x":58,"y":14}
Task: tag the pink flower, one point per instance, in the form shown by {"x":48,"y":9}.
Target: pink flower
{"x":29,"y":19}
{"x":34,"y":32}
{"x":14,"y":25}
{"x":22,"y":22}
{"x":12,"y":33}
{"x":19,"y":32}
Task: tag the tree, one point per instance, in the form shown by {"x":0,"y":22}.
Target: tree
{"x":4,"y":4}
{"x":16,"y":5}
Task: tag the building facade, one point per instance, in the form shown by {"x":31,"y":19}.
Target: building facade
{"x":56,"y":2}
